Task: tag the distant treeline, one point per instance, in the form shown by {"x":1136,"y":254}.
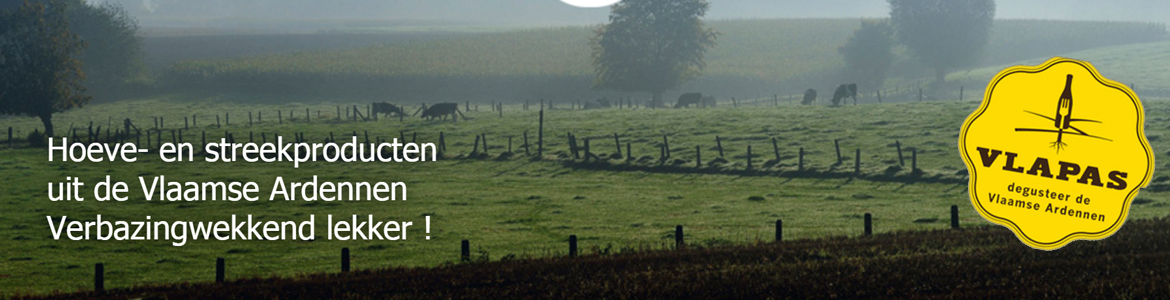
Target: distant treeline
{"x":753,"y":58}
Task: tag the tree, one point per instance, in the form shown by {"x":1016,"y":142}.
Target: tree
{"x":943,"y":34}
{"x":651,"y":46}
{"x":39,"y":75}
{"x":113,"y":53}
{"x":869,"y":52}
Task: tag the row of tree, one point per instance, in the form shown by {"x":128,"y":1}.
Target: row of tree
{"x":653,"y":45}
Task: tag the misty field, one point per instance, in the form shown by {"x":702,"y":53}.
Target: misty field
{"x":508,"y":206}
{"x":509,"y":202}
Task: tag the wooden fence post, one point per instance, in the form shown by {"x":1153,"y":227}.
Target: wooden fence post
{"x":776,"y":150}
{"x":617,"y":144}
{"x":540,"y":133}
{"x":475,"y":149}
{"x":914,"y":160}
{"x":837,"y":145}
{"x":954,"y":217}
{"x":868,"y":224}
{"x":698,"y":157}
{"x":99,"y":277}
{"x":678,"y":237}
{"x":800,"y":161}
{"x":485,"y":149}
{"x":465,"y":251}
{"x":219,"y":270}
{"x":901,"y":161}
{"x":749,"y":158}
{"x":526,"y":152}
{"x":857,"y":163}
{"x":666,"y":145}
{"x":344,"y":260}
{"x":719,"y":145}
{"x":779,"y":230}
{"x":573,"y":245}
{"x":10,"y":137}
{"x":587,"y":153}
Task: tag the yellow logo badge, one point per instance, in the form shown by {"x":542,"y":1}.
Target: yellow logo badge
{"x":1056,"y":153}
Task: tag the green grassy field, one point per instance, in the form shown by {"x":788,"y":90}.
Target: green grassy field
{"x":1142,"y":65}
{"x":505,"y":207}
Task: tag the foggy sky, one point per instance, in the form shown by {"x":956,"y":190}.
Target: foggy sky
{"x":553,"y":12}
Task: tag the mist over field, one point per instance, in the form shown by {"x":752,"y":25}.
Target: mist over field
{"x":169,"y":13}
{"x":822,"y":114}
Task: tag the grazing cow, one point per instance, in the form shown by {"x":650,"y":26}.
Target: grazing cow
{"x":596,"y":104}
{"x":387,"y":109}
{"x":709,"y":101}
{"x":441,"y":110}
{"x":810,"y":96}
{"x":845,"y":91}
{"x":689,"y":98}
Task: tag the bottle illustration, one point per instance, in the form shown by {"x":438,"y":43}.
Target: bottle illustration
{"x":1063,"y":113}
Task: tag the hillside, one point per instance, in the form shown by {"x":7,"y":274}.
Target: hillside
{"x":1144,"y":66}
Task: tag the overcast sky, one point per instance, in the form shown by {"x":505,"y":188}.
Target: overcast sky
{"x":553,"y":12}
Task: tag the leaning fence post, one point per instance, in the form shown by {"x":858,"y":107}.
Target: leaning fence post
{"x":776,"y":150}
{"x":573,"y":245}
{"x":901,"y":161}
{"x":465,"y":251}
{"x":954,"y":217}
{"x":868,"y":224}
{"x":219,"y":270}
{"x":719,"y":145}
{"x":617,"y":143}
{"x":344,"y":260}
{"x":485,"y":149}
{"x":475,"y":148}
{"x":837,"y":145}
{"x":666,"y":145}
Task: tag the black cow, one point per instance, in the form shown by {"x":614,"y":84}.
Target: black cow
{"x":689,"y":98}
{"x":387,"y":109}
{"x":845,"y":91}
{"x":810,"y":96}
{"x":441,"y":110}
